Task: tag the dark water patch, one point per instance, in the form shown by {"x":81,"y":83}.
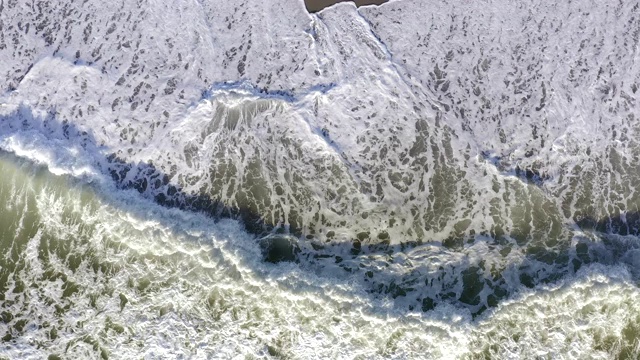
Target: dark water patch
{"x":278,"y":248}
{"x":154,"y":184}
{"x":317,"y":5}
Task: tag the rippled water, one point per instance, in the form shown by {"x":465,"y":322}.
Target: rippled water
{"x":93,"y":272}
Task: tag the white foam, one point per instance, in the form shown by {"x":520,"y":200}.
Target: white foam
{"x":339,"y":122}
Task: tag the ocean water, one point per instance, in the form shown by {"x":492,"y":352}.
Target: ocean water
{"x":92,"y":272}
{"x":452,"y":181}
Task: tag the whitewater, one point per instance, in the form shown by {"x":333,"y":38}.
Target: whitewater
{"x":450,"y":179}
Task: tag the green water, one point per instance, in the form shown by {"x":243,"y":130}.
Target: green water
{"x":97,"y":275}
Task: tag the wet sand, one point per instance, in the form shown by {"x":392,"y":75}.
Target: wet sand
{"x":317,"y":5}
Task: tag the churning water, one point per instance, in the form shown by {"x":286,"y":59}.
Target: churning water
{"x":94,"y":272}
{"x":458,"y":180}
